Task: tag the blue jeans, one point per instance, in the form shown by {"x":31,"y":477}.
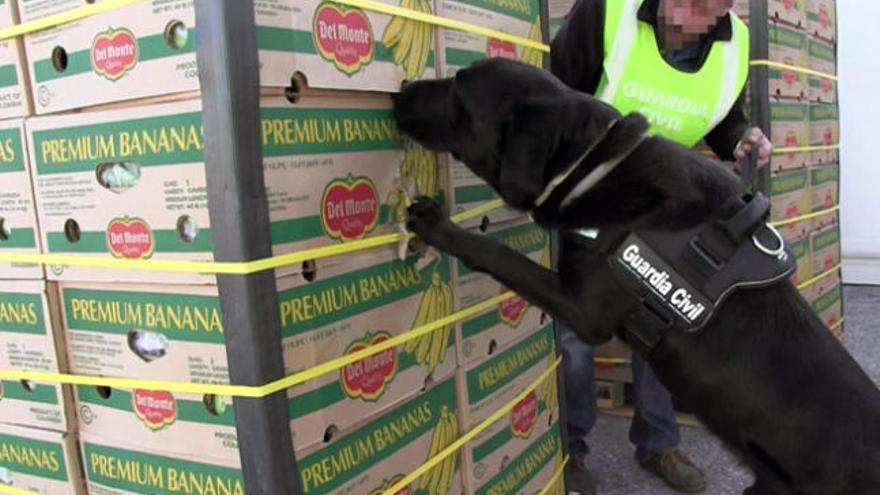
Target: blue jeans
{"x":653,"y":427}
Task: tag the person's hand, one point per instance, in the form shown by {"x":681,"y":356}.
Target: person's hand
{"x":753,"y":139}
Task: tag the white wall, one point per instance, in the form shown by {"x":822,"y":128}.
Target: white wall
{"x":859,"y":94}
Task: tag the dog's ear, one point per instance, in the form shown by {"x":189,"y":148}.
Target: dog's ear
{"x":529,"y":138}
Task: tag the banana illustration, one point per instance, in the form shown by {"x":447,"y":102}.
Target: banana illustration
{"x":397,"y":202}
{"x":530,"y":55}
{"x":430,"y":349}
{"x":545,"y":256}
{"x":548,"y":393}
{"x":419,"y":167}
{"x":410,"y":41}
{"x":441,"y":477}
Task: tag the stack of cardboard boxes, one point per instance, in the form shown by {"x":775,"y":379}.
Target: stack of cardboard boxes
{"x":38,"y":448}
{"x":113,"y":166}
{"x":804,"y":114}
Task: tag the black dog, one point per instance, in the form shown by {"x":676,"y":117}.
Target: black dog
{"x":763,"y":373}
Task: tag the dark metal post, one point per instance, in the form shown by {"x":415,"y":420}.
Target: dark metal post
{"x":758,"y":80}
{"x":229,"y":76}
{"x":554,"y":258}
{"x":545,"y":29}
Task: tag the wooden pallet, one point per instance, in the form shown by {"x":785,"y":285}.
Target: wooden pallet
{"x":628,"y":412}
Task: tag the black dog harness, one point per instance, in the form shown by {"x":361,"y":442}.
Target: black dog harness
{"x":678,"y":279}
{"x":675,"y":279}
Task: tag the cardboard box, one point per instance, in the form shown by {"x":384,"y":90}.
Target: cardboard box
{"x":822,"y":19}
{"x":797,"y":235}
{"x":112,"y":185}
{"x":143,"y":50}
{"x":123,"y":469}
{"x":558,"y":10}
{"x":828,"y":305}
{"x":467,"y":191}
{"x":385,"y":449}
{"x":823,"y":58}
{"x":179,"y":333}
{"x":789,"y":194}
{"x":148,"y":49}
{"x":15,"y":94}
{"x":609,"y":395}
{"x":825,"y":247}
{"x":622,"y":372}
{"x":787,"y":46}
{"x":18,"y":217}
{"x":486,"y":385}
{"x":529,"y":471}
{"x":824,"y":186}
{"x":458,"y":49}
{"x":789,"y":128}
{"x":790,"y":13}
{"x":372,"y":458}
{"x":494,"y":330}
{"x":40,"y":461}
{"x":31,"y":340}
{"x":824,"y":131}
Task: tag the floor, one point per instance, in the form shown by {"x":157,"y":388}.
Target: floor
{"x":617,"y":474}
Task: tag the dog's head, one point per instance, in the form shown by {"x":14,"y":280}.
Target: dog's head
{"x":512,"y":124}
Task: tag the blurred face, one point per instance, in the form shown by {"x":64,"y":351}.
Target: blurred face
{"x":687,"y":20}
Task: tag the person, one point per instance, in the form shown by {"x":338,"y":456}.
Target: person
{"x":683,"y":64}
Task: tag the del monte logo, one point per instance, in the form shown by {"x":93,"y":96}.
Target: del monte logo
{"x":343,"y":36}
{"x":366,"y":379}
{"x":524,"y":416}
{"x":156,"y":409}
{"x":500,"y":49}
{"x":129,"y":238}
{"x":349,"y":208}
{"x":512,"y":310}
{"x":114,"y":53}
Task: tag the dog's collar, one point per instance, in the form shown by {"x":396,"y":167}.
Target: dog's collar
{"x":595,"y":176}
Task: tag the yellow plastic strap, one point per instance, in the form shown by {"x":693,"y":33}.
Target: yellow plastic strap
{"x":819,"y":277}
{"x":836,"y":325}
{"x":108,"y":5}
{"x":603,"y":360}
{"x":258,"y":391}
{"x":793,"y":68}
{"x":11,"y":490}
{"x":470,"y":435}
{"x":384,"y":8}
{"x":556,"y":479}
{"x":804,"y":149}
{"x":65,"y":17}
{"x":477,"y":211}
{"x":230,"y":268}
{"x":787,"y":221}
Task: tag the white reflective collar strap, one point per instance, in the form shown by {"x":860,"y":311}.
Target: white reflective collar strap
{"x":599,"y":173}
{"x":559,"y":179}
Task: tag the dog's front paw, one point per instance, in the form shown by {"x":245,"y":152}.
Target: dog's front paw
{"x":427,"y":220}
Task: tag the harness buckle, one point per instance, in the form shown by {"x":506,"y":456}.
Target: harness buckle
{"x":777,"y":252}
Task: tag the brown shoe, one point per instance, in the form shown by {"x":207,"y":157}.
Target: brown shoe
{"x":577,"y":479}
{"x":676,"y":469}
